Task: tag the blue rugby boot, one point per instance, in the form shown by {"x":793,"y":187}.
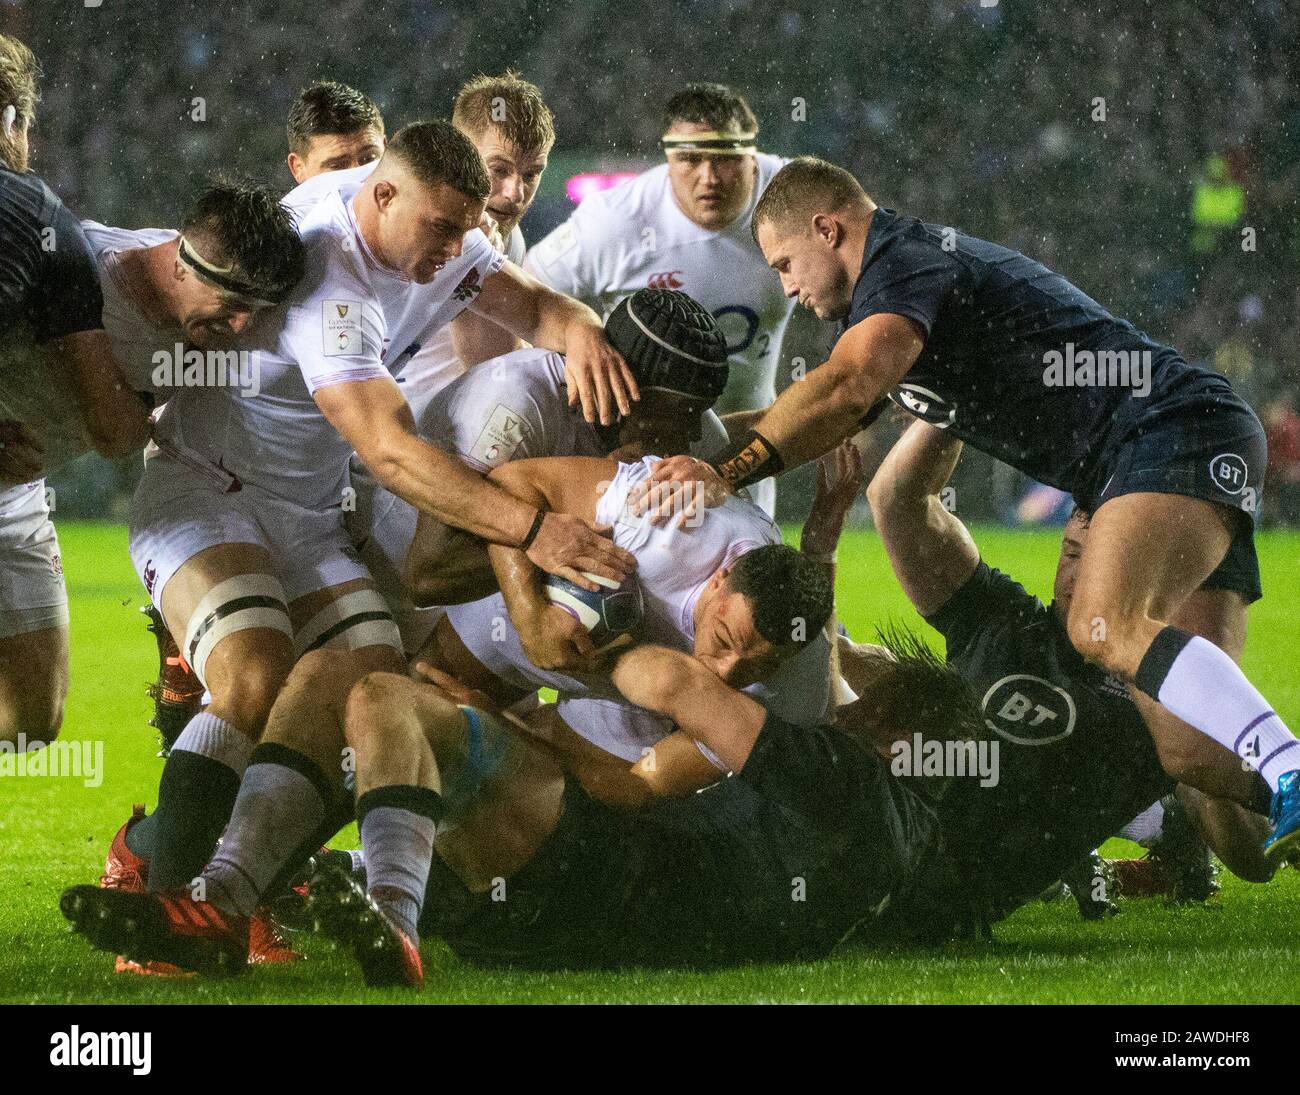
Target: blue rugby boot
{"x":1283,"y":844}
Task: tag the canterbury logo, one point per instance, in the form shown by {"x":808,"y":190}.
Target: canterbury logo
{"x":669,"y":279}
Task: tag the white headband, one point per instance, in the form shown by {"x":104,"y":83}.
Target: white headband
{"x":8,"y":119}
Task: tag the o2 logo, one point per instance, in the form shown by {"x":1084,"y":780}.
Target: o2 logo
{"x":739,"y":326}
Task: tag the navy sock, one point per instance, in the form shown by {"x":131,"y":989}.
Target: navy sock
{"x":195,"y":796}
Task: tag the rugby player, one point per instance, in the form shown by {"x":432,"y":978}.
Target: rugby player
{"x":983,"y":341}
{"x":685,"y":225}
{"x":332,"y":127}
{"x":61,"y":394}
{"x":237,"y":527}
{"x":511,"y":126}
{"x":809,"y":838}
{"x":515,"y":407}
{"x":1061,"y":722}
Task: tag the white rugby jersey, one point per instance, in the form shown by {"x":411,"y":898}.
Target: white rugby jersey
{"x":349,"y":320}
{"x":136,"y":341}
{"x":436,"y":365}
{"x":512,"y":407}
{"x":673,"y":567}
{"x":635,"y":235}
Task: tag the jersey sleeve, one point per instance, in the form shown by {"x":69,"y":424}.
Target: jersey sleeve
{"x":69,"y":299}
{"x":48,"y":274}
{"x":988,"y":595}
{"x":335,"y":333}
{"x":911,"y":277}
{"x":800,"y":690}
{"x":498,"y":414}
{"x":811,"y":770}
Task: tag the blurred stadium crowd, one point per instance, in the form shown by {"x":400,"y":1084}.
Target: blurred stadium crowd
{"x":1149,"y":151}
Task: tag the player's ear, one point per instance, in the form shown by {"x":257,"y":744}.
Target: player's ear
{"x":297,"y":168}
{"x":385,"y":192}
{"x":827,"y":229}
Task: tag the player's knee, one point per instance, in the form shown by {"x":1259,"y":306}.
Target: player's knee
{"x":369,"y":701}
{"x":245,"y":698}
{"x":1103,"y":636}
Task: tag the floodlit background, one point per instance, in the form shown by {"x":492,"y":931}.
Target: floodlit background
{"x":1148,"y":151}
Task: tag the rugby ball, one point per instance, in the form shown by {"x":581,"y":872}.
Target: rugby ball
{"x":612,"y":615}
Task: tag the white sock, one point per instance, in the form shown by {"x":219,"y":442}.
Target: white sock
{"x":215,"y":738}
{"x":1145,"y":828}
{"x":1195,"y":680}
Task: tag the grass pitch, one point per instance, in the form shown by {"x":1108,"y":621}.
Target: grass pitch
{"x":1244,"y":946}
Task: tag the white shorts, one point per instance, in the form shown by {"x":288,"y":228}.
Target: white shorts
{"x":176,"y":513}
{"x":381,"y":527}
{"x":33,"y":596}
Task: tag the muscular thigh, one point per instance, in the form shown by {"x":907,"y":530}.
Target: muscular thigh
{"x":1147,"y":553}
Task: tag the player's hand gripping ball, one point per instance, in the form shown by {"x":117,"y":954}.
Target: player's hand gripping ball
{"x":612,"y":616}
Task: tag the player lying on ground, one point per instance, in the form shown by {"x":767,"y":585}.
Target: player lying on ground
{"x":1018,"y":362}
{"x":811,"y":837}
{"x":61,"y":394}
{"x":475,"y":831}
{"x":236,"y":526}
{"x":745,"y":605}
{"x":298,"y":774}
{"x":1051,"y":710}
{"x":685,"y":225}
{"x":673,"y":346}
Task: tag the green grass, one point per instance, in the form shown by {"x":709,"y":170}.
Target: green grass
{"x":1242,"y":947}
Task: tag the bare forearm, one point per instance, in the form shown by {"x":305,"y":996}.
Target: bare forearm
{"x":439,"y":484}
{"x":815,"y":414}
{"x":679,"y":687}
{"x":917,"y":468}
{"x":553,"y":319}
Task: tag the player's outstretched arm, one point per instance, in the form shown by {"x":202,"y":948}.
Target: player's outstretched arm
{"x":373,"y":417}
{"x":808,"y":419}
{"x":597,"y":376}
{"x":669,"y":683}
{"x":932,"y":553}
{"x":117,"y":421}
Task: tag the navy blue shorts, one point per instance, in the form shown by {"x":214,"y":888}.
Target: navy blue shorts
{"x":1197,"y":438}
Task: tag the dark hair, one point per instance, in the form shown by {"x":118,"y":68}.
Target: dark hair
{"x":329,"y":107}
{"x":710,"y":104}
{"x":919,"y":692}
{"x":246,"y":226}
{"x":1084,"y":516}
{"x":802,"y":184}
{"x":437,"y":152}
{"x":509,"y":103}
{"x":788,"y":593}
